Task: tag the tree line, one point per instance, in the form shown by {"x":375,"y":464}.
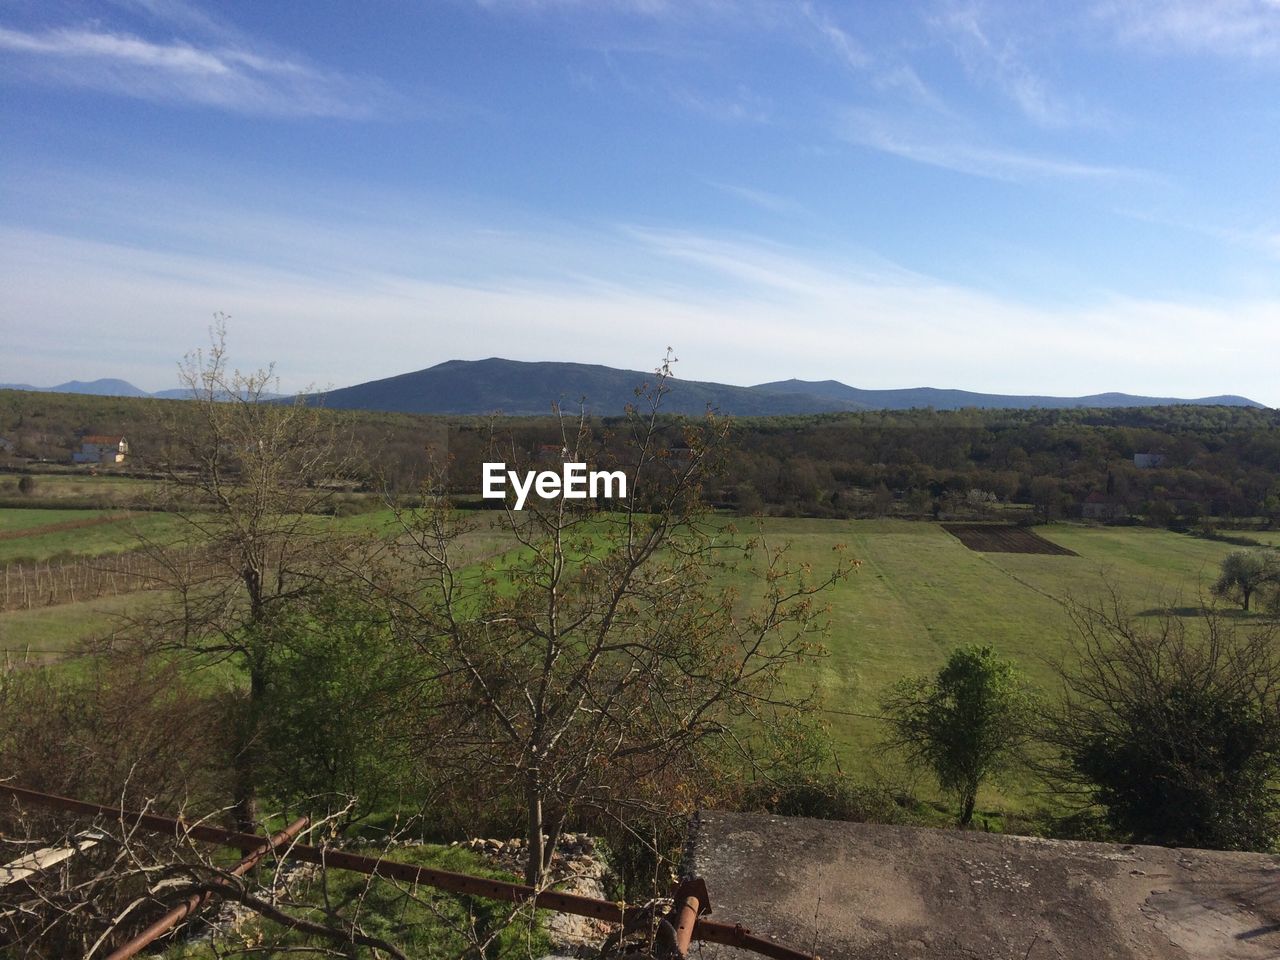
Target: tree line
{"x":1219,"y":463}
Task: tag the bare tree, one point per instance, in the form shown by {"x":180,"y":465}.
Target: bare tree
{"x":80,"y":887}
{"x":253,"y":479}
{"x":592,"y":666}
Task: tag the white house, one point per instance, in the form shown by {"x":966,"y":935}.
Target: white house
{"x":1147,"y":461}
{"x":96,"y":448}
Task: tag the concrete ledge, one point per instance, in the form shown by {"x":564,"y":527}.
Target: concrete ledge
{"x":854,"y":891}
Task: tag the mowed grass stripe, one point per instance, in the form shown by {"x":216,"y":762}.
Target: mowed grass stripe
{"x":48,"y":538}
{"x":63,"y":627}
{"x":1152,"y":568}
{"x":13,"y":519}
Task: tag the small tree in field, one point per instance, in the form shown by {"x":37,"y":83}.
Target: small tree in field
{"x":1173,"y":728}
{"x":591,"y":668}
{"x":1246,"y":572}
{"x":251,"y":479}
{"x":963,"y":725}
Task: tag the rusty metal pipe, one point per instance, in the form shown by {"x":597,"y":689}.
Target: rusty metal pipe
{"x":736,"y":935}
{"x":686,"y":920}
{"x":176,"y":828}
{"x":706,"y":930}
{"x":193,"y":903}
{"x":343,"y":860}
{"x":690,"y":902}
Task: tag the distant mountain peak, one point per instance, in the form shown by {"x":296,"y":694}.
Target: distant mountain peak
{"x":105,"y":387}
{"x":522,"y":387}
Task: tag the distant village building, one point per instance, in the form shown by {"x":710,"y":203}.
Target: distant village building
{"x":6,"y":445}
{"x":1099,"y":506}
{"x":96,"y":448}
{"x":1147,"y":461}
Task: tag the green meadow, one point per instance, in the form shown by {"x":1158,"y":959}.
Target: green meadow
{"x":39,"y":535}
{"x":916,"y":594}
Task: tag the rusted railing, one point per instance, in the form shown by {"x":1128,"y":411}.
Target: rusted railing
{"x":687,"y":916}
{"x":198,"y":900}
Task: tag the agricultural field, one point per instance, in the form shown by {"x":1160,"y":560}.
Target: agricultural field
{"x":1004,"y":538}
{"x":37,"y":535}
{"x":47,"y":634}
{"x":1269,"y":537}
{"x":34,"y":542}
{"x":920,"y":592}
{"x":78,"y":487}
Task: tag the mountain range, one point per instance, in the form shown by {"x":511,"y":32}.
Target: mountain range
{"x":106,"y":387}
{"x":521,"y":388}
{"x":110,"y":387}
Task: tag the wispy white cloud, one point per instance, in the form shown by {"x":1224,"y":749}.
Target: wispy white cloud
{"x":793,"y":313}
{"x":741,"y":105}
{"x":764,"y":199}
{"x":702,"y":32}
{"x":185,"y":17}
{"x":954,"y":151}
{"x":902,"y":78}
{"x":848,"y":49}
{"x":652,"y":9}
{"x":1226,"y":28}
{"x":888,"y":72}
{"x":1005,"y":63}
{"x":227,"y":77}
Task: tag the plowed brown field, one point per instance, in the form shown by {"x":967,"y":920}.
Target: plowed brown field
{"x":1001,"y":538}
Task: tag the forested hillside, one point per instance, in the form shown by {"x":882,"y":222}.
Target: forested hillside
{"x":1217,"y":461}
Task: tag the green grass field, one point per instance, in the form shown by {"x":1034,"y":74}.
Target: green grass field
{"x":17,"y":519}
{"x":42,"y":534}
{"x":48,"y":632}
{"x":74,"y":484}
{"x":35,"y":534}
{"x":919,"y":593}
{"x":45,"y":633}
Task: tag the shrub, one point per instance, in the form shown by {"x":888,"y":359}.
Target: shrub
{"x":123,"y":731}
{"x":330,"y":721}
{"x":1174,"y":732}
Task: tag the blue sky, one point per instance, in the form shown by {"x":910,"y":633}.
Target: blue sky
{"x":1013,"y":197}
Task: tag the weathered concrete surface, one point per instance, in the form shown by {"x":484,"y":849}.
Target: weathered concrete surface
{"x":861,"y":891}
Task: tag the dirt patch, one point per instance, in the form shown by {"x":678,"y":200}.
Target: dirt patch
{"x":1002,"y":538}
{"x":59,"y":527}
